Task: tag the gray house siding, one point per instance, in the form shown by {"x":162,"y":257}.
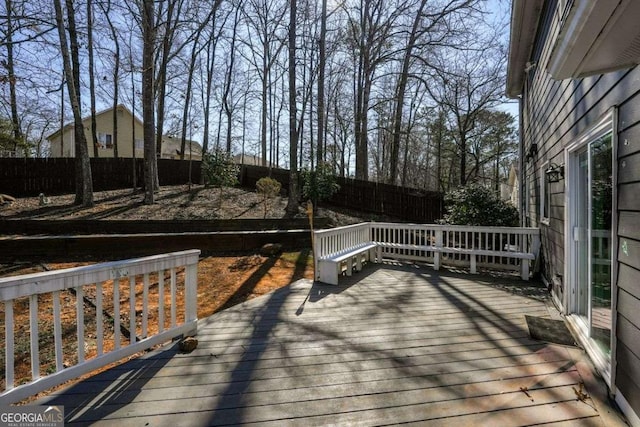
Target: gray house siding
{"x":555,"y":113}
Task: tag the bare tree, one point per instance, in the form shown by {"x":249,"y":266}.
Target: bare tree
{"x":92,"y":80}
{"x":371,"y":27}
{"x":264,"y":21}
{"x":148,"y":51}
{"x":71,"y":62}
{"x":228,"y":78}
{"x":11,"y":76}
{"x":116,"y":74}
{"x":292,"y":202}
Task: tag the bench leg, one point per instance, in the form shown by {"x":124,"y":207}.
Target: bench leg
{"x":524,"y":269}
{"x":349,"y":267}
{"x":328,"y":272}
{"x":359,"y":262}
{"x":436,"y":261}
{"x":473,"y":264}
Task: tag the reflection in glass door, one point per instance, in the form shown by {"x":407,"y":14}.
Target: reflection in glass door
{"x":591,"y":222}
{"x":601,"y":191}
{"x":580,"y":235}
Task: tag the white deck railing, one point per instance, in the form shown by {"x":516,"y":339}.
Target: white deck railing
{"x":498,"y":248}
{"x":86,"y":332}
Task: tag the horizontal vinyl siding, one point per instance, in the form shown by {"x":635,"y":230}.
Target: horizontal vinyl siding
{"x":555,"y":114}
{"x":628,"y":331}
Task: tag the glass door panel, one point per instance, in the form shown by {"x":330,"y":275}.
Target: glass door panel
{"x":580,"y":235}
{"x":601,"y":192}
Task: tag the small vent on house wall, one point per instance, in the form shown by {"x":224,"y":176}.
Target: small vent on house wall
{"x":631,"y":54}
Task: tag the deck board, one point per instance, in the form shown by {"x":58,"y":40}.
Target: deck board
{"x":392,"y":344}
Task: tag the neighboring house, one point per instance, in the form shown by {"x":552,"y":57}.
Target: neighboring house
{"x":509,"y":191}
{"x":571,"y":65}
{"x":130,"y":129}
{"x":250,"y":160}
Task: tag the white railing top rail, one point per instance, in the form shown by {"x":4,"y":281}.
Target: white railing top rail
{"x":58,"y":280}
{"x":533,"y":231}
{"x":341,"y":229}
{"x":463,"y":228}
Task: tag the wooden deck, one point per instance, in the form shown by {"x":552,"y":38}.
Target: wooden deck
{"x":392,"y":344}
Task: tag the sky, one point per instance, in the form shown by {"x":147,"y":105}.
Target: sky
{"x":502,"y":8}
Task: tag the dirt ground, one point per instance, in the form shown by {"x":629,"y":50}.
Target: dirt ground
{"x":171,"y":202}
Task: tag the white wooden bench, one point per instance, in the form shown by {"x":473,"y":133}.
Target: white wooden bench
{"x":344,"y":248}
{"x":332,"y":265}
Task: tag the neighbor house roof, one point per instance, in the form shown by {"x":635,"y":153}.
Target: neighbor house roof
{"x":99,"y":113}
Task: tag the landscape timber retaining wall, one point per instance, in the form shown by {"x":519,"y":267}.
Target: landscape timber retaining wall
{"x":82,"y":226}
{"x":123,"y":246}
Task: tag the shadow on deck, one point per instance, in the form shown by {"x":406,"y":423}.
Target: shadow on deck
{"x":395,"y":343}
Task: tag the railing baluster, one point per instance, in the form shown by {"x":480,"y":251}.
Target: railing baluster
{"x":33,"y":325}
{"x":160,"y":301}
{"x":80,"y":322}
{"x":132,"y":310}
{"x":173,"y":297}
{"x":9,"y":345}
{"x":116,"y":313}
{"x":57,"y":331}
{"x":99,"y":324}
{"x":145,"y":305}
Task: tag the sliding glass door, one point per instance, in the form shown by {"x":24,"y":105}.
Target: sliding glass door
{"x":590,"y":175}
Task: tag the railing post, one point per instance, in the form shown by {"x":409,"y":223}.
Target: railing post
{"x":316,"y":253}
{"x":191,"y":292}
{"x":436,"y":253}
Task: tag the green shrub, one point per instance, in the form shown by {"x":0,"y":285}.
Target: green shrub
{"x":268,"y":188}
{"x":320,"y":184}
{"x":219,"y":169}
{"x":478,"y":206}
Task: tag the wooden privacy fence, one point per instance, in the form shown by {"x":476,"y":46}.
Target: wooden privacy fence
{"x":408,"y":204}
{"x":23,"y":177}
{"x":154,"y":300}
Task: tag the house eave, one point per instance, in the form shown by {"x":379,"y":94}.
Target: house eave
{"x":595,"y":38}
{"x":525,"y":15}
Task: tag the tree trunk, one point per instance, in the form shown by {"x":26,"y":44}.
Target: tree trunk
{"x":292,"y":202}
{"x":187,"y":99}
{"x":227,"y":85}
{"x":148,"y":50}
{"x":263,"y":116}
{"x":162,"y":75}
{"x":116,"y":85}
{"x":322,"y":60}
{"x":15,"y":120}
{"x":400,"y":95}
{"x":84,"y":184}
{"x":92,"y":81}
